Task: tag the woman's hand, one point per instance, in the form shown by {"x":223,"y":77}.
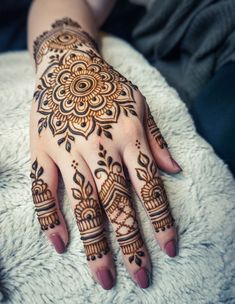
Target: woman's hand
{"x":92,"y":124}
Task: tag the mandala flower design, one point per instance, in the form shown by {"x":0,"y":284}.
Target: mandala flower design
{"x":81,"y":93}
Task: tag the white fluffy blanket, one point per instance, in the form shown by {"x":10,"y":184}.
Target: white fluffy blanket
{"x":202,"y":199}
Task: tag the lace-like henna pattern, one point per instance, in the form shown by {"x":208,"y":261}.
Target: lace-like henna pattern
{"x":117,"y":204}
{"x":80,"y":94}
{"x":88,"y":215}
{"x":45,"y":205}
{"x":153,"y":194}
{"x":65,"y":34}
{"x":155,"y":131}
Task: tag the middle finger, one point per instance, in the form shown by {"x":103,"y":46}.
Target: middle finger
{"x":115,"y":198}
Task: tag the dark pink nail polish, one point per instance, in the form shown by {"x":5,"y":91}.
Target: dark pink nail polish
{"x":142,"y":278}
{"x":105,"y":278}
{"x":57,"y":242}
{"x":170,"y":248}
{"x":175,"y":164}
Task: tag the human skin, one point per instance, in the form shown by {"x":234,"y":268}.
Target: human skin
{"x":95,"y":127}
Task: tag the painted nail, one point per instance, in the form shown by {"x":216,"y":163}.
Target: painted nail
{"x":175,"y":164}
{"x":57,"y":242}
{"x":170,"y":248}
{"x":142,"y":278}
{"x":105,"y":278}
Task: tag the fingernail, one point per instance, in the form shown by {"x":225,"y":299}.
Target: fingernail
{"x":170,"y":248}
{"x":142,"y":278}
{"x":57,"y":242}
{"x":175,"y":164}
{"x":105,"y":278}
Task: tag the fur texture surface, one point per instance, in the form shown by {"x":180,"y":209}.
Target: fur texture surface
{"x":202,"y":199}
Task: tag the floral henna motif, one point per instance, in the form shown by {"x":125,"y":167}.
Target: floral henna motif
{"x":88,"y":215}
{"x":65,"y":34}
{"x":117,"y":204}
{"x":153,"y":194}
{"x":155,"y":131}
{"x":79,"y":93}
{"x":45,"y":205}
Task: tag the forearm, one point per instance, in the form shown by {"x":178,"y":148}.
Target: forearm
{"x":44,"y":13}
{"x":101,"y":9}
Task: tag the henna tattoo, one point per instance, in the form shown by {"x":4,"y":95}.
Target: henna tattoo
{"x":88,"y":215}
{"x":155,"y":131}
{"x":80,"y":94}
{"x":117,"y":204}
{"x":137,"y":143}
{"x":153,"y":194}
{"x":45,"y":205}
{"x":65,"y":34}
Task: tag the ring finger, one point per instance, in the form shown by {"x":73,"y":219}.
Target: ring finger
{"x":145,"y":178}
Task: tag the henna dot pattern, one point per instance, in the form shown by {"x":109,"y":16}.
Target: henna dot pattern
{"x":137,"y":144}
{"x":155,"y":131}
{"x":45,"y":205}
{"x":153,"y":194}
{"x":88,"y":215}
{"x":116,"y":201}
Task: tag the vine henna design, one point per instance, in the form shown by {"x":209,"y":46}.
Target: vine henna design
{"x":117,"y":204}
{"x":88,"y":215}
{"x":155,"y":131}
{"x":153,"y":194}
{"x":45,"y":205}
{"x":65,"y":34}
{"x":79,"y":93}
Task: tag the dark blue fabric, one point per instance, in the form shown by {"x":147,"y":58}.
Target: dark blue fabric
{"x":188,"y":41}
{"x":213,"y":112}
{"x":13,"y":23}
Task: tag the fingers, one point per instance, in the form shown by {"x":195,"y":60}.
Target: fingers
{"x":144,"y":175}
{"x":82,"y":192}
{"x":44,"y":191}
{"x":159,"y":146}
{"x":115,"y":198}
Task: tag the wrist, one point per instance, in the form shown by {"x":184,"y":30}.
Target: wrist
{"x":65,"y":35}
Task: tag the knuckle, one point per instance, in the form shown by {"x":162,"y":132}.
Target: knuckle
{"x":133,"y":129}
